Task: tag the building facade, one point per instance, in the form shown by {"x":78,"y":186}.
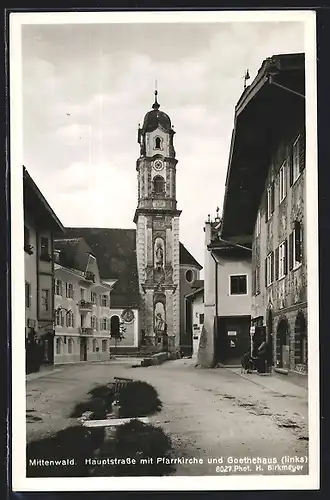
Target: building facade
{"x":157,"y":233}
{"x":82,"y":305}
{"x":194,"y":311}
{"x":265,"y":198}
{"x":225,"y":335}
{"x":40,"y":224}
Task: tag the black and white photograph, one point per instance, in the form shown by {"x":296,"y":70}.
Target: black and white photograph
{"x":163,"y":172}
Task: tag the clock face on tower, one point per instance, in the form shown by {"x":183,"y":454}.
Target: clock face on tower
{"x":158,"y":165}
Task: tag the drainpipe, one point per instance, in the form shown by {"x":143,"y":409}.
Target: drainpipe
{"x":216,"y":304}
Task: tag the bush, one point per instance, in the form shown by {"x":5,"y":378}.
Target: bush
{"x":74,"y":442}
{"x":138,"y":399}
{"x":138,"y":441}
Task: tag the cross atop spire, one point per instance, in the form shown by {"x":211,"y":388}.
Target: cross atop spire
{"x":156,"y":104}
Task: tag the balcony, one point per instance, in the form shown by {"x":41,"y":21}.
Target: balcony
{"x":85,"y":306}
{"x":86,"y":331}
{"x":89,"y":276}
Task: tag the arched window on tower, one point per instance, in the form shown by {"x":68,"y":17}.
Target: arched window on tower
{"x":158,"y":143}
{"x":159,"y":184}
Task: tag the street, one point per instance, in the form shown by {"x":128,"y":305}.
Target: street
{"x":212,"y":414}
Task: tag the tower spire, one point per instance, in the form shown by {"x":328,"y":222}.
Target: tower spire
{"x":156,"y":104}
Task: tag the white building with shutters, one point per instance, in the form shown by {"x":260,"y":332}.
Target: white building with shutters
{"x":82,"y":305}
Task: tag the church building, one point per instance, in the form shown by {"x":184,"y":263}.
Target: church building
{"x":152,"y":268}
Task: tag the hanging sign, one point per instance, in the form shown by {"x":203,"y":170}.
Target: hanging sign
{"x":232,"y":334}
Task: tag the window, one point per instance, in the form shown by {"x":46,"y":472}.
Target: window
{"x":57,"y":256}
{"x":70,"y":344}
{"x":189,"y":276}
{"x":58,"y":346}
{"x":104,"y":346}
{"x":44,"y":246}
{"x":94,"y":345}
{"x":282,"y":182}
{"x":93,"y":297}
{"x":158,"y":143}
{"x":27,"y":294}
{"x":238,"y":284}
{"x":104,"y":300}
{"x":159,"y":184}
{"x":103,"y":324}
{"x":296,"y":160}
{"x":296,"y":246}
{"x":58,"y":317}
{"x":282,"y":261}
{"x":58,"y":287}
{"x":70,"y":320}
{"x":93,"y":322}
{"x":45,"y":300}
{"x":69,"y":291}
{"x":258,"y":224}
{"x":269,"y":269}
{"x":26,"y":237}
{"x":270,"y":201}
{"x":82,"y":293}
{"x":201,"y":319}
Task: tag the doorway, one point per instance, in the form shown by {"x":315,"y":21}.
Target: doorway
{"x":83,"y":349}
{"x":283,"y":345}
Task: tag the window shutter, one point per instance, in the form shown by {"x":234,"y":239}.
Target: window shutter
{"x":285,"y":264}
{"x":291,"y":166}
{"x":290,"y":251}
{"x":73,"y":320}
{"x":266,"y":204}
{"x":62,"y":318}
{"x":297,"y":235}
{"x":272,"y":197}
{"x":277,"y":263}
{"x":272,"y":266}
{"x":253,"y":282}
{"x":66,"y":289}
{"x":266,"y":282}
{"x":302,"y":152}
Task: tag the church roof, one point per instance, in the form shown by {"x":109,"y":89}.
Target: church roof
{"x":186,"y":258}
{"x":155,"y":118}
{"x":115,"y":251}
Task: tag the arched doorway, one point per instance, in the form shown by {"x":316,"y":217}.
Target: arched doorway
{"x":115,"y":326}
{"x":269,"y":334}
{"x":300,"y":347}
{"x":283,"y":345}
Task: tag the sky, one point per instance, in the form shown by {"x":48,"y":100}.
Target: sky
{"x":86,"y":88}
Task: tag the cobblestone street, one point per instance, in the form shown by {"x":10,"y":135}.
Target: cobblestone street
{"x":209,"y":414}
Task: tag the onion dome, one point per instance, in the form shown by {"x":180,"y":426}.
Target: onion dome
{"x":156,"y":118}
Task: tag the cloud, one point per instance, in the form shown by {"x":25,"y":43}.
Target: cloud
{"x":86,"y":88}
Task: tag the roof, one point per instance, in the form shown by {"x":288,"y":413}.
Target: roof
{"x":155,"y":118}
{"x":197,"y":284}
{"x":192,"y":295}
{"x":186,"y":258}
{"x":268,"y":111}
{"x":37,"y":207}
{"x":74,"y":253}
{"x":115,"y":251}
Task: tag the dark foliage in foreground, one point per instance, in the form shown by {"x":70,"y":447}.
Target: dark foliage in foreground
{"x":72,"y":443}
{"x":142,"y":442}
{"x":139,"y":399}
{"x":100,"y":402}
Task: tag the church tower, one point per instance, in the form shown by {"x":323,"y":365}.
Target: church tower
{"x":157,"y":233}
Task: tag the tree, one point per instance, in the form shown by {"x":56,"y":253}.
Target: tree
{"x":119,"y":334}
